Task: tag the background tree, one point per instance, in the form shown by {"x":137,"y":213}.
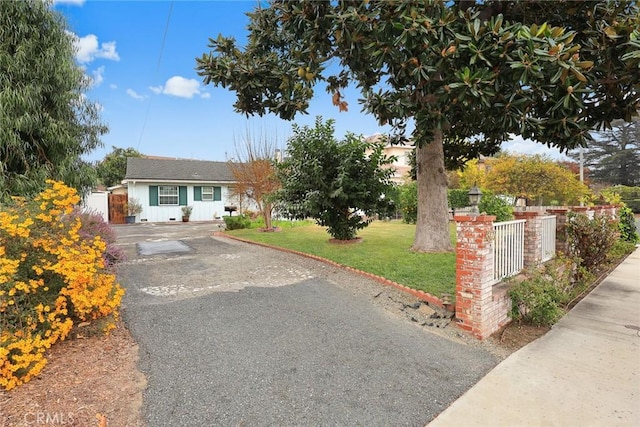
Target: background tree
{"x":574,"y":167}
{"x":112,"y":169}
{"x":474,"y":172}
{"x":549,"y":71}
{"x":535,"y":178}
{"x":254,"y":170}
{"x":334,"y":182}
{"x":613,"y":157}
{"x":46,"y":122}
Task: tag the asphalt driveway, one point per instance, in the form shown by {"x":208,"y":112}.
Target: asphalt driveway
{"x":236,"y":334}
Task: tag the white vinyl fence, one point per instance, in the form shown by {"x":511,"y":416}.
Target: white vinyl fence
{"x":548,"y":237}
{"x":508,"y":248}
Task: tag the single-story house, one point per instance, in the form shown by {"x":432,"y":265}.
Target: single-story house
{"x":164,"y":186}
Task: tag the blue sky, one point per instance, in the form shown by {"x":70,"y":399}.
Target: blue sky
{"x":153,"y":100}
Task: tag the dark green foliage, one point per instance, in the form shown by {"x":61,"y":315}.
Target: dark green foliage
{"x":491,"y":69}
{"x":629,"y":195}
{"x":46,"y":122}
{"x":335,"y":182}
{"x":409,"y":202}
{"x":236,"y":222}
{"x":540,"y":299}
{"x":620,"y":250}
{"x":634,"y":205}
{"x":495,"y":205}
{"x":590,"y":239}
{"x":458,"y":198}
{"x":112,"y":169}
{"x":613,"y":157}
{"x":391,"y":209}
{"x":627,"y":225}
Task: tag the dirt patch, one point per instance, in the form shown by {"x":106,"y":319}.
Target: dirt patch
{"x":88,"y":381}
{"x":514,"y":336}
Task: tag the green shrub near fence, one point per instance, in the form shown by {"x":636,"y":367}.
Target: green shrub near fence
{"x":237,"y":222}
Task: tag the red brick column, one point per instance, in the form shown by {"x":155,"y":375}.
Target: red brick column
{"x":532,"y":237}
{"x":561,"y":229}
{"x":474,"y":272}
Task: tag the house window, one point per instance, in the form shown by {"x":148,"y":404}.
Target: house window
{"x":207,"y":193}
{"x":168,"y":195}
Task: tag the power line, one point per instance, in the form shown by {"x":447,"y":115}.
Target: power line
{"x":164,"y":39}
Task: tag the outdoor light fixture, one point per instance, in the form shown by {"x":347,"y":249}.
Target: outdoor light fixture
{"x":474,"y":199}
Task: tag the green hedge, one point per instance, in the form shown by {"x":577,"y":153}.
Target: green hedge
{"x":629,"y":195}
{"x":237,"y":222}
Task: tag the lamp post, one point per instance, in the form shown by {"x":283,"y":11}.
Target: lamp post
{"x":474,"y":199}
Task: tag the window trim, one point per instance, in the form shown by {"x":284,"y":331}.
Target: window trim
{"x":176,"y":188}
{"x":206,"y":194}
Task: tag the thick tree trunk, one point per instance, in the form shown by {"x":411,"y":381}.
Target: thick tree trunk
{"x":432,"y":227}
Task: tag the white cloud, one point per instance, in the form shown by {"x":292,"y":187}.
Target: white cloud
{"x":519,"y":145}
{"x":113,"y":86}
{"x":88,"y":49}
{"x":181,"y":87}
{"x":98,"y":76}
{"x":132,"y":93}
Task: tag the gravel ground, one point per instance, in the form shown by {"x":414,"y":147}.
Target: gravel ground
{"x":236,"y":334}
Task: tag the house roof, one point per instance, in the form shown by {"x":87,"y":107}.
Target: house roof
{"x":140,"y":168}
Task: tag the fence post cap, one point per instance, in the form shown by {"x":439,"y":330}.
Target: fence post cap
{"x":526,"y":213}
{"x":474,"y":218}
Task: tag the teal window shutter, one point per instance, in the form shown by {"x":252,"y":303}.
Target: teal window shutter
{"x":197,"y":194}
{"x":153,"y":195}
{"x":217,"y":194}
{"x":182,"y":195}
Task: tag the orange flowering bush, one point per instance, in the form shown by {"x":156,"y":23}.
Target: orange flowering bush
{"x":50,"y":278}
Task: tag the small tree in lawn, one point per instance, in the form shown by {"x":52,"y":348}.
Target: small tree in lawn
{"x":333,"y":181}
{"x":255,"y":173}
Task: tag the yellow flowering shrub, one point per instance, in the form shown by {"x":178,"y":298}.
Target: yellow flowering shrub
{"x":50,"y":278}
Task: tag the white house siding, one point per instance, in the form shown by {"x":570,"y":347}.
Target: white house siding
{"x":202,"y":210}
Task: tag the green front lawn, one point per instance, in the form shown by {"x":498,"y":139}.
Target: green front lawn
{"x":384,"y":251}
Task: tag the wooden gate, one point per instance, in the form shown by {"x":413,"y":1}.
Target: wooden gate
{"x":117,"y":208}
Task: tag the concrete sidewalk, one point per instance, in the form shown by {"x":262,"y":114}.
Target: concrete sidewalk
{"x":584,"y":372}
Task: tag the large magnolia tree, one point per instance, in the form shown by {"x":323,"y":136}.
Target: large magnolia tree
{"x":468,"y":75}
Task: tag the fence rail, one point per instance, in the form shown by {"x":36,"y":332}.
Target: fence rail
{"x":508,"y":248}
{"x":548,"y":237}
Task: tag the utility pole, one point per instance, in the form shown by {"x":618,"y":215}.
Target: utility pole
{"x":581,"y":170}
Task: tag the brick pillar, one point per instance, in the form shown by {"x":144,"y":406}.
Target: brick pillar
{"x":474,"y":271}
{"x":561,"y":229}
{"x":532,"y":237}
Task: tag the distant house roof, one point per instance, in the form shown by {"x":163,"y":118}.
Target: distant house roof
{"x":154,"y":169}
